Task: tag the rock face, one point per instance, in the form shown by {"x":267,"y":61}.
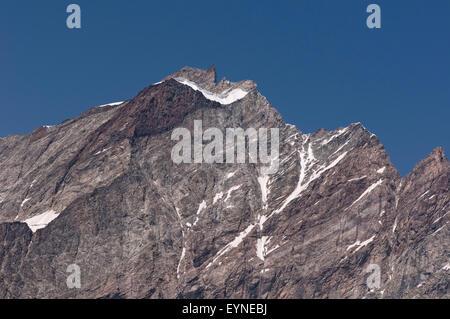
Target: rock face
{"x":101,"y":191}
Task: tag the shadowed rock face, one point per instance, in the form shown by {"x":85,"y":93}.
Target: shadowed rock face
{"x":140,"y":226}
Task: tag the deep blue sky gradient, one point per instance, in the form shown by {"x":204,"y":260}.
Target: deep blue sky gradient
{"x":315,"y":61}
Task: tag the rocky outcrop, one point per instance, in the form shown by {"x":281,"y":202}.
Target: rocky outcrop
{"x":106,"y":196}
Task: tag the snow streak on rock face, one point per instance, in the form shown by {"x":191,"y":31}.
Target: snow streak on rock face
{"x":140,"y":226}
{"x":41,"y":221}
{"x":226,"y":97}
{"x":111,"y":104}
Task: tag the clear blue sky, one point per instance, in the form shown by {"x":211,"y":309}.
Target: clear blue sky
{"x":315,"y":61}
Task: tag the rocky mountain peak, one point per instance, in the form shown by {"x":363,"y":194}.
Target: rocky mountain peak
{"x":433,"y":165}
{"x":438,"y":156}
{"x":206,"y":79}
{"x":101,"y":191}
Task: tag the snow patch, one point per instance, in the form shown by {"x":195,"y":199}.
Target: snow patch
{"x":33,"y":182}
{"x":102,"y":151}
{"x":381,"y":170}
{"x":41,"y":221}
{"x":357,"y":179}
{"x":230,"y":175}
{"x":233,"y":244}
{"x":261,"y":247}
{"x":232,"y":189}
{"x":423,"y":194}
{"x":217,"y":197}
{"x":227,"y":97}
{"x":263,"y":180}
{"x":439,"y":229}
{"x":183,"y":253}
{"x":366,"y":192}
{"x":111,"y":104}
{"x":340,"y":147}
{"x":360,"y":245}
{"x":395,"y":225}
{"x":440,"y":218}
{"x":201,"y":207}
{"x":24,"y":201}
{"x":339,"y":133}
{"x":261,"y":220}
{"x":302,"y":185}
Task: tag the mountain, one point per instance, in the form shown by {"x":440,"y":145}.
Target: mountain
{"x":103,"y":192}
